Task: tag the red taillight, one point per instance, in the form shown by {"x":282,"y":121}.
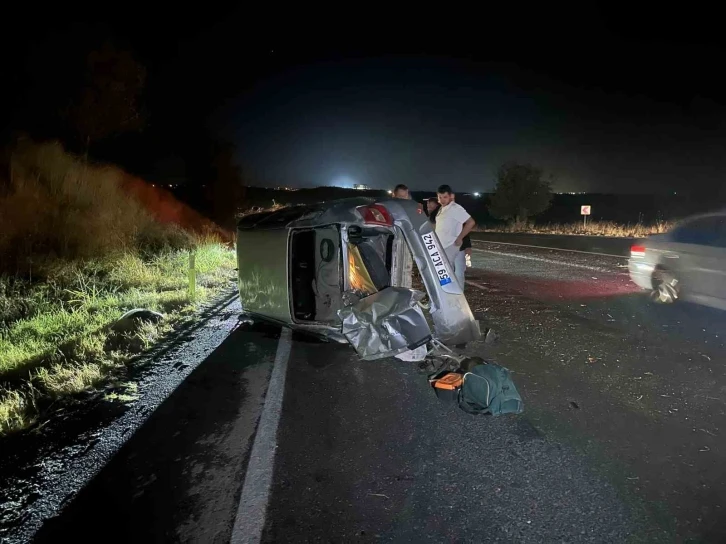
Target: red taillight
{"x":375,"y":214}
{"x":637,"y":251}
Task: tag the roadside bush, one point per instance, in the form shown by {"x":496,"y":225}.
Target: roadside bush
{"x":57,"y":206}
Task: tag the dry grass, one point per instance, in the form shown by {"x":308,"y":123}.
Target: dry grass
{"x":56,"y":205}
{"x":18,"y":409}
{"x":593,"y":228}
{"x":77,"y":253}
{"x":60,"y":380}
{"x":260,"y":209}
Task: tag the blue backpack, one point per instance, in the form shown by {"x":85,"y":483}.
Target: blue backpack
{"x":489,"y":389}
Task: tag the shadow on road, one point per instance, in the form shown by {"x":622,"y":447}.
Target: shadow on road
{"x":178,"y":477}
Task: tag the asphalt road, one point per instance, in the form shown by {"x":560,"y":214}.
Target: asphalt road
{"x":595,"y":244}
{"x":621,"y":439}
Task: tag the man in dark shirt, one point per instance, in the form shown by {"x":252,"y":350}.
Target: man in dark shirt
{"x":432,"y":208}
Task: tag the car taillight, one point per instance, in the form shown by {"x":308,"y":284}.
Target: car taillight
{"x":637,"y":251}
{"x":375,"y":214}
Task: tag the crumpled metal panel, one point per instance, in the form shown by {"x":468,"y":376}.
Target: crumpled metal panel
{"x":385,"y":323}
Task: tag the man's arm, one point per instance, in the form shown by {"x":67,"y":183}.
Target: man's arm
{"x":469,"y":224}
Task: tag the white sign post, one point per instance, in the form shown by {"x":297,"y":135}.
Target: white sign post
{"x":584,"y":212}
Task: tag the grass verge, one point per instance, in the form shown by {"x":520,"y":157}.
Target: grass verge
{"x":81,"y":244}
{"x":55,"y":340}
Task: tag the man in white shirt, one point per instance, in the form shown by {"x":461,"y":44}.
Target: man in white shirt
{"x":453,"y":223}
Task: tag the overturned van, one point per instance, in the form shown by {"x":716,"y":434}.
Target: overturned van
{"x":335,"y":269}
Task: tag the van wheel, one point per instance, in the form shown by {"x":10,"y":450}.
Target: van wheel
{"x":666,"y":287}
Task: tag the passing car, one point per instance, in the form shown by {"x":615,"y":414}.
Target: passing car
{"x":689,"y":262}
{"x":336,"y":270}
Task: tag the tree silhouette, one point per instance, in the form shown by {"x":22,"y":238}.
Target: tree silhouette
{"x":225,"y":191}
{"x":109,"y":102}
{"x":521,"y":192}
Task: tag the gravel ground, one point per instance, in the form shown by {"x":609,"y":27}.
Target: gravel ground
{"x":367,"y":452}
{"x":636,"y":386}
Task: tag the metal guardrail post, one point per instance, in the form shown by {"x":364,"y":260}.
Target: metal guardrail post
{"x":192,"y":275}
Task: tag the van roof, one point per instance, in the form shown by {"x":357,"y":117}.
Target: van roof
{"x":284,"y":216}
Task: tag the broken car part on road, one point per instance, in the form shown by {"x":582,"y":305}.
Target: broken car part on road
{"x":335,"y":269}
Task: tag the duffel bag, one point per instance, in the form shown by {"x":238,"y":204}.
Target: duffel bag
{"x":489,"y":389}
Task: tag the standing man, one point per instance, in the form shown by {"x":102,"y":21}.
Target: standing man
{"x":432,"y":208}
{"x":401,"y":191}
{"x":453,"y":223}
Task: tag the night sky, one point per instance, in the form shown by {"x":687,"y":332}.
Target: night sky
{"x":605,"y":99}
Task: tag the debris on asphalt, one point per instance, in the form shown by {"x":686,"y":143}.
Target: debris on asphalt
{"x":413,"y":355}
{"x":490,"y":336}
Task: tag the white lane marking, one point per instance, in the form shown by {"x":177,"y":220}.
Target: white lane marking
{"x":552,"y":248}
{"x":250,"y":520}
{"x":551,"y":261}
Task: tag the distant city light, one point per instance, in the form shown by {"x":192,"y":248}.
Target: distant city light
{"x":477,"y":194}
{"x":390,"y":192}
{"x":344,"y":181}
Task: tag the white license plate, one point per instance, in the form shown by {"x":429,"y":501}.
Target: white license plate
{"x":437,"y":257}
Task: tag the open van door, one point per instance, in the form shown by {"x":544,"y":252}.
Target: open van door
{"x":382,"y":320}
{"x":389,"y":320}
{"x":453,"y":321}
